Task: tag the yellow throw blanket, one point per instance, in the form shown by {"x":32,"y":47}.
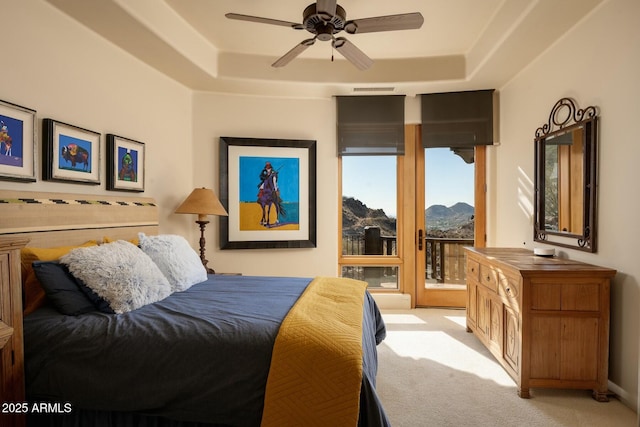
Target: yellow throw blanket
{"x":316,"y":366}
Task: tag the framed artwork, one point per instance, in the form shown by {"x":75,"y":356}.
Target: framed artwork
{"x":125,"y":164}
{"x":70,"y":153}
{"x":17,"y":142}
{"x":268,"y":187}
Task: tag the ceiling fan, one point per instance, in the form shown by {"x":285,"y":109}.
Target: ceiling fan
{"x":325,"y":18}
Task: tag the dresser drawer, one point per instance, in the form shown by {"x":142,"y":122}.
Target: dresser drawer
{"x":489,"y":277}
{"x":511,"y":288}
{"x":473,"y":270}
{"x":565,"y":296}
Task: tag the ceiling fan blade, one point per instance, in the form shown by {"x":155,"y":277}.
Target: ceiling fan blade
{"x":293,"y":53}
{"x":404,"y":21}
{"x":352,"y":53}
{"x":326,"y":7}
{"x":260,"y":20}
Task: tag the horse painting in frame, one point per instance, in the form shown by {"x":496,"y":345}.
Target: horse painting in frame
{"x":282,"y":222}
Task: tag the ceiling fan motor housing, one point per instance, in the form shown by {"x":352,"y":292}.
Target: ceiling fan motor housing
{"x":323,"y":25}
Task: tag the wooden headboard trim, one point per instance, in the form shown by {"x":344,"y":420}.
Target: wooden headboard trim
{"x":51,"y":219}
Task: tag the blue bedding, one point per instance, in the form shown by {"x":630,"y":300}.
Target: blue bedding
{"x":201,"y":355}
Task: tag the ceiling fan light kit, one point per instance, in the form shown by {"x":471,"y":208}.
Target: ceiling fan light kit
{"x":325,"y":18}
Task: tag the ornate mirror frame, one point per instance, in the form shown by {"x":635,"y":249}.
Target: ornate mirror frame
{"x":565,"y":182}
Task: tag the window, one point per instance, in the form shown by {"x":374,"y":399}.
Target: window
{"x":370,"y":132}
{"x":369,"y":219}
{"x":369,"y":205}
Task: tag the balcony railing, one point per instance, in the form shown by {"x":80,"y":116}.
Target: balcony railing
{"x":445,"y":261}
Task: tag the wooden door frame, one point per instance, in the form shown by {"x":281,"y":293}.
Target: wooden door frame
{"x":480,"y":226}
{"x":408,"y":220}
{"x":480,"y":197}
{"x":408,"y":201}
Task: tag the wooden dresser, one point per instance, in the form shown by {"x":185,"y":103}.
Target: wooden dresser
{"x":11,"y":348}
{"x":546,"y":320}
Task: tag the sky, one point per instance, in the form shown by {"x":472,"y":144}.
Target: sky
{"x":372,"y":180}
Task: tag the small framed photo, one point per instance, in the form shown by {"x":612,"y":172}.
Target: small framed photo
{"x":125,"y":164}
{"x":70,"y":153}
{"x":17,"y":142}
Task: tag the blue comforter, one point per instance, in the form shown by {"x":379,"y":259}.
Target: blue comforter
{"x":201,"y":355}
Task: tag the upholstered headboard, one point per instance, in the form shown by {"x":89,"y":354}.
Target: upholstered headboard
{"x":55,"y":219}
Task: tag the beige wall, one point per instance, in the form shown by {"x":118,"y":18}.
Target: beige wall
{"x":55,"y":66}
{"x":70,"y":74}
{"x":598,"y":63}
{"x":286,"y":118}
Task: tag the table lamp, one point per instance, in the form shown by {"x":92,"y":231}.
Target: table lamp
{"x":202,"y":202}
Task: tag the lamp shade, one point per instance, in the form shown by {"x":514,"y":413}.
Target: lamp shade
{"x":202,"y":202}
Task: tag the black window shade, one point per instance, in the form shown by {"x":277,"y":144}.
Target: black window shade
{"x":370,"y":125}
{"x":457,"y":119}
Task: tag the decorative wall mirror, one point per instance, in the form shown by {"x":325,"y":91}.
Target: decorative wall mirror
{"x":565,"y":177}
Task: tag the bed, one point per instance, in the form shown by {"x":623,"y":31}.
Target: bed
{"x":225,"y":350}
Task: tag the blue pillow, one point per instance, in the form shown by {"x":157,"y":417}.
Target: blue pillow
{"x":61,"y":288}
{"x":98,"y":302}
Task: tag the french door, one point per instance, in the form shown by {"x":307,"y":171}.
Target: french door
{"x":439,"y":273}
{"x":399,"y":263}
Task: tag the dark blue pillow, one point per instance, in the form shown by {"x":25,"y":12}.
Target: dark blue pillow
{"x":97,"y":301}
{"x":61,"y":288}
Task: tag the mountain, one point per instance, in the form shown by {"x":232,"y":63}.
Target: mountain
{"x":454,"y":222}
{"x":356,"y":216}
{"x":460,"y":209}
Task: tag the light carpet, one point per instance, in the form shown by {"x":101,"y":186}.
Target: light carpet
{"x":434,"y":373}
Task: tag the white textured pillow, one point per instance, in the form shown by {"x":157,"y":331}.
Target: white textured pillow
{"x":177,"y":260}
{"x":120,"y":273}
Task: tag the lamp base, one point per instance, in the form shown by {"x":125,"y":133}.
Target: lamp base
{"x":204,"y":260}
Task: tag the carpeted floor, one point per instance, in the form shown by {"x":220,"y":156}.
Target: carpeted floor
{"x":434,"y":373}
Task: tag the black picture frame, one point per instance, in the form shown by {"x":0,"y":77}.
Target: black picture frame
{"x":70,"y":153}
{"x":242,"y":167}
{"x":17,"y":142}
{"x":125,"y":164}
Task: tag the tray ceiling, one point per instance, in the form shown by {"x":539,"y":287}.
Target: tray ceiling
{"x":462,"y":45}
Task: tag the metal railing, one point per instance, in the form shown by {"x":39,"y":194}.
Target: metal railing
{"x":369,"y":243}
{"x":445,"y":260}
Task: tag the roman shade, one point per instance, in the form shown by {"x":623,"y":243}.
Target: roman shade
{"x":457,"y":119}
{"x":370,"y":125}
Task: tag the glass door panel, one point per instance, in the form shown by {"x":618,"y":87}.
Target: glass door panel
{"x":369,"y":248}
{"x":445,"y":220}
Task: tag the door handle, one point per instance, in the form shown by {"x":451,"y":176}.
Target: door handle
{"x":420,"y":239}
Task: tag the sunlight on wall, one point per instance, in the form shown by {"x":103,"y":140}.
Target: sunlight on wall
{"x":525,"y":194}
